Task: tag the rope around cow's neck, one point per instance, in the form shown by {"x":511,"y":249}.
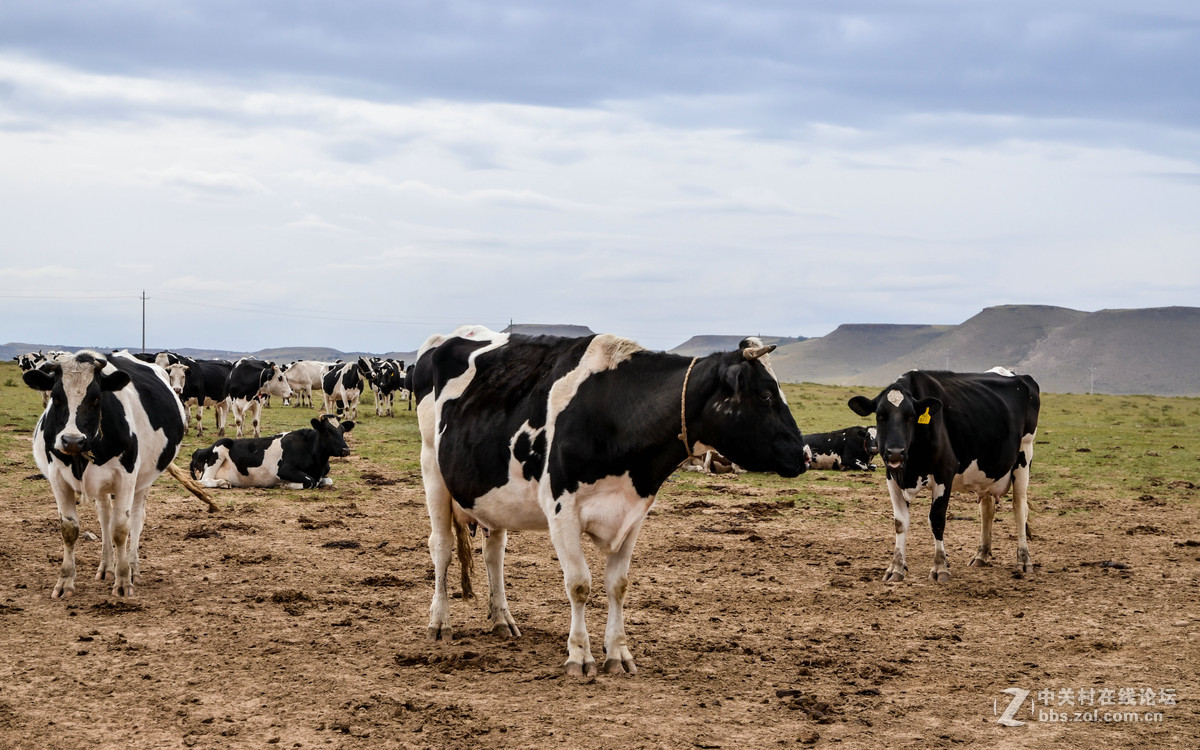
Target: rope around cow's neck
{"x":683,"y":412}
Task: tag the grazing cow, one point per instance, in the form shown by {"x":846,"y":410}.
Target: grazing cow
{"x":200,"y":383}
{"x":577,"y":435}
{"x":112,"y":427}
{"x":343,"y":386}
{"x":956,"y":431}
{"x":250,"y":381}
{"x":295,"y":460}
{"x":843,"y":450}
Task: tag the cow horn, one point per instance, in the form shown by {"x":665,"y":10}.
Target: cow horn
{"x":754,"y":352}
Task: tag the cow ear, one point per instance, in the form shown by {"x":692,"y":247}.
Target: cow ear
{"x":316,"y":423}
{"x":39,"y":380}
{"x":114,"y":381}
{"x":731,"y":376}
{"x":926,"y":409}
{"x":862,"y":406}
{"x":347,"y":425}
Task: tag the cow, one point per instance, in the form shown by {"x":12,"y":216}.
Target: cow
{"x":304,"y":376}
{"x":956,"y":431}
{"x":296,"y":460}
{"x":343,"y":386}
{"x":386,"y":378}
{"x":843,"y":450}
{"x":249,"y":381}
{"x":31,"y":361}
{"x":111,"y":428}
{"x":406,"y":388}
{"x":577,"y":435}
{"x":200,"y":383}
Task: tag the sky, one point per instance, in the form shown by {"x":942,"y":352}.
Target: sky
{"x":361,"y":175}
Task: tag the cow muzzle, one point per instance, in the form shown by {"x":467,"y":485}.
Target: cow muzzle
{"x":73,"y":445}
{"x":895,"y":458}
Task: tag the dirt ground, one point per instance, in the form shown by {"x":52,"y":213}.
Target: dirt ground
{"x":297,"y":619}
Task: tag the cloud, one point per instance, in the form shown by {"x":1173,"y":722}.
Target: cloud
{"x":200,"y":181}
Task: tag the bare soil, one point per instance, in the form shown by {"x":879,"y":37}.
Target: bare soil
{"x":297,"y":619}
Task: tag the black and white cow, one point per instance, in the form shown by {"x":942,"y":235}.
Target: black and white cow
{"x":956,"y":431}
{"x":577,"y":436}
{"x":250,"y":381}
{"x":343,"y":386}
{"x":298,"y":459}
{"x":843,"y":450}
{"x":32,"y":361}
{"x":304,"y":376}
{"x":200,"y":383}
{"x":112,"y":427}
{"x":386,"y":379}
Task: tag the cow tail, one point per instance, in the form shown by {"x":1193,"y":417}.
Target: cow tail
{"x":466,"y":557}
{"x":191,"y":485}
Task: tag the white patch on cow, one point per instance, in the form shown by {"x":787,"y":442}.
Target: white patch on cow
{"x":609,"y":509}
{"x":605,"y":352}
{"x":824,"y":460}
{"x":973,"y":479}
{"x":895,"y":397}
{"x":512,"y":506}
{"x":1002,"y":371}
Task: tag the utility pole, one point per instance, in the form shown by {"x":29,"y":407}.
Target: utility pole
{"x":143,"y":321}
{"x":1091,"y":380}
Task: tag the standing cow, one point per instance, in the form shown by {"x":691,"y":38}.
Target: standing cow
{"x":577,"y":435}
{"x":298,"y":459}
{"x":304,"y":376}
{"x":956,"y":431}
{"x":250,"y":381}
{"x":343,"y":387}
{"x":111,"y":428}
{"x":200,"y":383}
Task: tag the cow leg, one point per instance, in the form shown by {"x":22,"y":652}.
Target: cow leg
{"x":441,"y":544}
{"x":238,"y":409}
{"x":898,"y":568}
{"x":221,"y":411}
{"x":255,"y":409}
{"x":940,"y":571}
{"x":502,"y":620}
{"x":987,"y":512}
{"x":121,"y":521}
{"x":1021,"y":503}
{"x":136,"y":520}
{"x":617,"y":658}
{"x":107,"y":569}
{"x":199,"y":419}
{"x":566,"y":535}
{"x":68,"y":519}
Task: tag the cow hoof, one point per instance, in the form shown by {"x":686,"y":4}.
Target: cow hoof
{"x":439,"y":633}
{"x":506,"y":630}
{"x":980,"y":562}
{"x":893,"y":576}
{"x":941,"y":576}
{"x":62,"y":592}
{"x":617,"y":666}
{"x":575,"y":669}
{"x":1027,"y":567}
{"x":123,"y":590}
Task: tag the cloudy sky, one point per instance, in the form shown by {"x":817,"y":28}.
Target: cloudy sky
{"x":362,"y":174}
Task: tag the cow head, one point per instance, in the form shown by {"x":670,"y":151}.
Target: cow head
{"x":76,"y":385}
{"x":898,"y":417}
{"x":177,"y":377}
{"x":747,"y":418}
{"x":331,"y":434}
{"x":368,"y":369}
{"x":273,"y":382}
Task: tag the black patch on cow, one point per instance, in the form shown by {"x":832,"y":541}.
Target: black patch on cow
{"x":161,"y":406}
{"x":451,"y":359}
{"x":558,"y":507}
{"x":248,"y":376}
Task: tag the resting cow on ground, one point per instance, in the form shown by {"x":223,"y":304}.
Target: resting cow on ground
{"x":201,"y":383}
{"x":250,"y":381}
{"x":577,"y":435}
{"x":295,"y":460}
{"x":956,"y":431}
{"x":111,"y":428}
{"x":851,"y":448}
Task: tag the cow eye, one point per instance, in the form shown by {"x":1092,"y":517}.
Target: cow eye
{"x":765,"y":397}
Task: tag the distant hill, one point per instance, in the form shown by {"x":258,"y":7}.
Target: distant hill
{"x":1154,"y":351}
{"x":699,"y":346}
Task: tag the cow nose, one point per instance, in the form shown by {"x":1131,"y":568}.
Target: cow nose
{"x":895,"y":456}
{"x":178,"y":391}
{"x":73,"y":444}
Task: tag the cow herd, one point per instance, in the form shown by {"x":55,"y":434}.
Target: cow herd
{"x":572,"y":435}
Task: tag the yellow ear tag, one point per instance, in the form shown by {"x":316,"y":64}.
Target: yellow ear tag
{"x":924,"y":418}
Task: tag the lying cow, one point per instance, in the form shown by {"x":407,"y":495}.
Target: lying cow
{"x":577,"y":436}
{"x":294,"y":460}
{"x":711,"y":462}
{"x":843,"y":450}
{"x":111,"y":428}
{"x":956,"y":431}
